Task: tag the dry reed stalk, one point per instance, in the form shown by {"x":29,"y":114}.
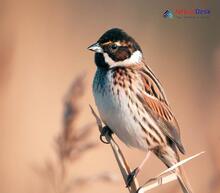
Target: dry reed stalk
{"x":122,"y":163}
{"x":163,"y":178}
{"x":71,"y":144}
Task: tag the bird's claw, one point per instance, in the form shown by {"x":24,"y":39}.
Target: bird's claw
{"x":105,"y":130}
{"x":131,"y":176}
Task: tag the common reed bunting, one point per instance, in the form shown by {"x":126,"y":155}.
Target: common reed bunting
{"x":132,"y":102}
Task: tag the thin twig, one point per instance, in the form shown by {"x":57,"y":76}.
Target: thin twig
{"x":153,"y":184}
{"x":180,"y":163}
{"x":165,"y":176}
{"x":122,"y":163}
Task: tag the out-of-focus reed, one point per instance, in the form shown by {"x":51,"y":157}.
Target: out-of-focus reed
{"x":71,"y":143}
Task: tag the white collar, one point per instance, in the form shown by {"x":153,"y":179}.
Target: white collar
{"x":135,"y":58}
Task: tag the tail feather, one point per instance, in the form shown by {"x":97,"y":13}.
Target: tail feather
{"x":169,"y":156}
{"x":186,"y":188}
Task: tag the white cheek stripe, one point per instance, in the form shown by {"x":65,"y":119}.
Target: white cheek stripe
{"x":135,"y":58}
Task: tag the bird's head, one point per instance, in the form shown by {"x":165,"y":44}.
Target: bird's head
{"x":116,"y":48}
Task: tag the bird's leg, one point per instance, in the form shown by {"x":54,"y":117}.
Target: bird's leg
{"x":104,"y":131}
{"x":135,"y":172}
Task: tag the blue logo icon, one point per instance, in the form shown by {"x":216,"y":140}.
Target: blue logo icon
{"x":168,"y":14}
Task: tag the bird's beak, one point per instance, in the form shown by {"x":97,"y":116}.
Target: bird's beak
{"x":96,"y":48}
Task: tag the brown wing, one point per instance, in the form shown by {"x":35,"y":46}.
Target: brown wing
{"x":154,"y":99}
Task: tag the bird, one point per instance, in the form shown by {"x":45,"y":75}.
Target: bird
{"x":132,"y":102}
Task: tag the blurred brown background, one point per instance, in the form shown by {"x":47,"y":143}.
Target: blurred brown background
{"x":43,"y":48}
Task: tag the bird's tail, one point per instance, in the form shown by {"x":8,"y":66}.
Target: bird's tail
{"x":169,"y":156}
{"x":186,"y":188}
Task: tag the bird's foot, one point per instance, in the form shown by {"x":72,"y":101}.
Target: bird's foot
{"x":131,"y":176}
{"x":105,"y":130}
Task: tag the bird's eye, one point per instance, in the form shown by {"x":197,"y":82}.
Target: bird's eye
{"x":113,"y":46}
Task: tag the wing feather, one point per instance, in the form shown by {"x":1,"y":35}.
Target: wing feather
{"x":156,"y":104}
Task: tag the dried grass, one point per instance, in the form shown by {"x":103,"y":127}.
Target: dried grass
{"x":71,"y":144}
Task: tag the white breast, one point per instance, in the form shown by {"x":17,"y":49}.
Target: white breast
{"x":114,"y":110}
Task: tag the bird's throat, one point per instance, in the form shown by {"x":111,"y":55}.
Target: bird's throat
{"x":100,"y":61}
